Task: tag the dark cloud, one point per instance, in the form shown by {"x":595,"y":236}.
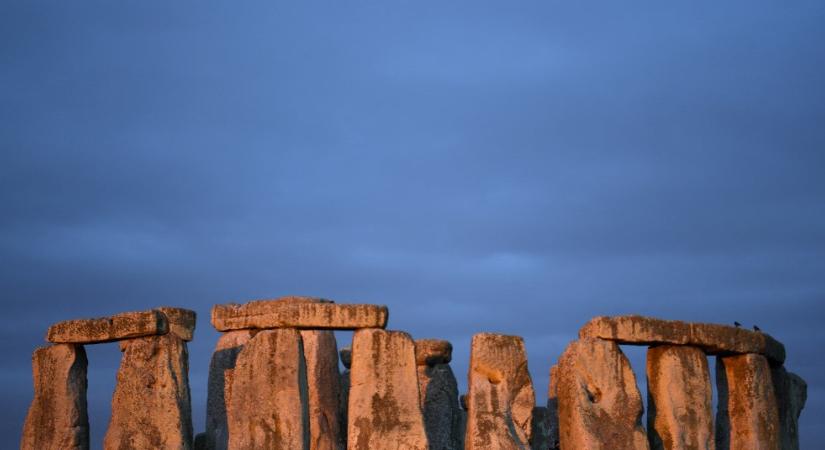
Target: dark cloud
{"x":475,"y":167}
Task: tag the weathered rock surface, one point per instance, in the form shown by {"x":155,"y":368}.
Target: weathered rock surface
{"x":200,"y":442}
{"x":298,"y":312}
{"x":343,"y":405}
{"x":57,"y":418}
{"x":680,"y":408}
{"x":711,"y":338}
{"x":501,"y":398}
{"x":722,"y":339}
{"x":438,"y":393}
{"x":791,"y":394}
{"x":181,"y":321}
{"x":346,"y":356}
{"x":747,"y":415}
{"x":553,"y":409}
{"x":599,"y":403}
{"x":323,"y":387}
{"x":433,"y":351}
{"x":226,"y":353}
{"x":107,"y":329}
{"x":384,"y":411}
{"x":268,"y":399}
{"x":151,"y":404}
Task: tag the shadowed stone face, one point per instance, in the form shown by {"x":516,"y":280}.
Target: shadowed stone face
{"x":540,"y":437}
{"x":57,"y":417}
{"x":343,"y":405}
{"x":747,"y":416}
{"x":267,"y":405}
{"x":501,"y":398}
{"x":791,"y":394}
{"x":346,"y":356}
{"x":680,"y":409}
{"x":438,"y":391}
{"x":599,"y":403}
{"x":151,"y":404}
{"x":181,"y":321}
{"x":553,"y":409}
{"x":226,"y":353}
{"x":321,"y":354}
{"x":384,"y":411}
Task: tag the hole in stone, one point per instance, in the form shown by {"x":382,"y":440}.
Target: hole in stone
{"x":637,"y":355}
{"x":104,"y":360}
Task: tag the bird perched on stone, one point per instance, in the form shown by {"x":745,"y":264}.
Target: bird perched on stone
{"x":737,"y":324}
{"x":755,"y":328}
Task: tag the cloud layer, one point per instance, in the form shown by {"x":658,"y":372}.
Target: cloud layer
{"x":475,"y":167}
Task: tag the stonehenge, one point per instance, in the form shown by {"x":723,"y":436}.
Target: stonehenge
{"x":151,"y":404}
{"x":274,"y":382}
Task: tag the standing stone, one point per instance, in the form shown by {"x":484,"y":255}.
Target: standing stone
{"x":323,"y":384}
{"x":268,"y":407}
{"x":438,"y":393}
{"x":501,"y":398}
{"x":384,"y":410}
{"x":540,"y":438}
{"x":747,"y":417}
{"x":346,"y":359}
{"x":680,"y":405}
{"x":791,"y":393}
{"x":226,"y":353}
{"x":553,"y":409}
{"x":151,"y":404}
{"x":599,"y":403}
{"x":200,"y":441}
{"x":57,"y":418}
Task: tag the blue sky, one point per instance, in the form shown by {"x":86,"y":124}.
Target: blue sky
{"x":475,"y":166}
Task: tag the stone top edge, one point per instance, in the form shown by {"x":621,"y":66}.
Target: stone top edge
{"x":278,"y":300}
{"x":264,"y":307}
{"x":125,"y":314}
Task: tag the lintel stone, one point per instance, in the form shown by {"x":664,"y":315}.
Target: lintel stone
{"x":107,"y":329}
{"x":713,"y":339}
{"x":303,"y":313}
